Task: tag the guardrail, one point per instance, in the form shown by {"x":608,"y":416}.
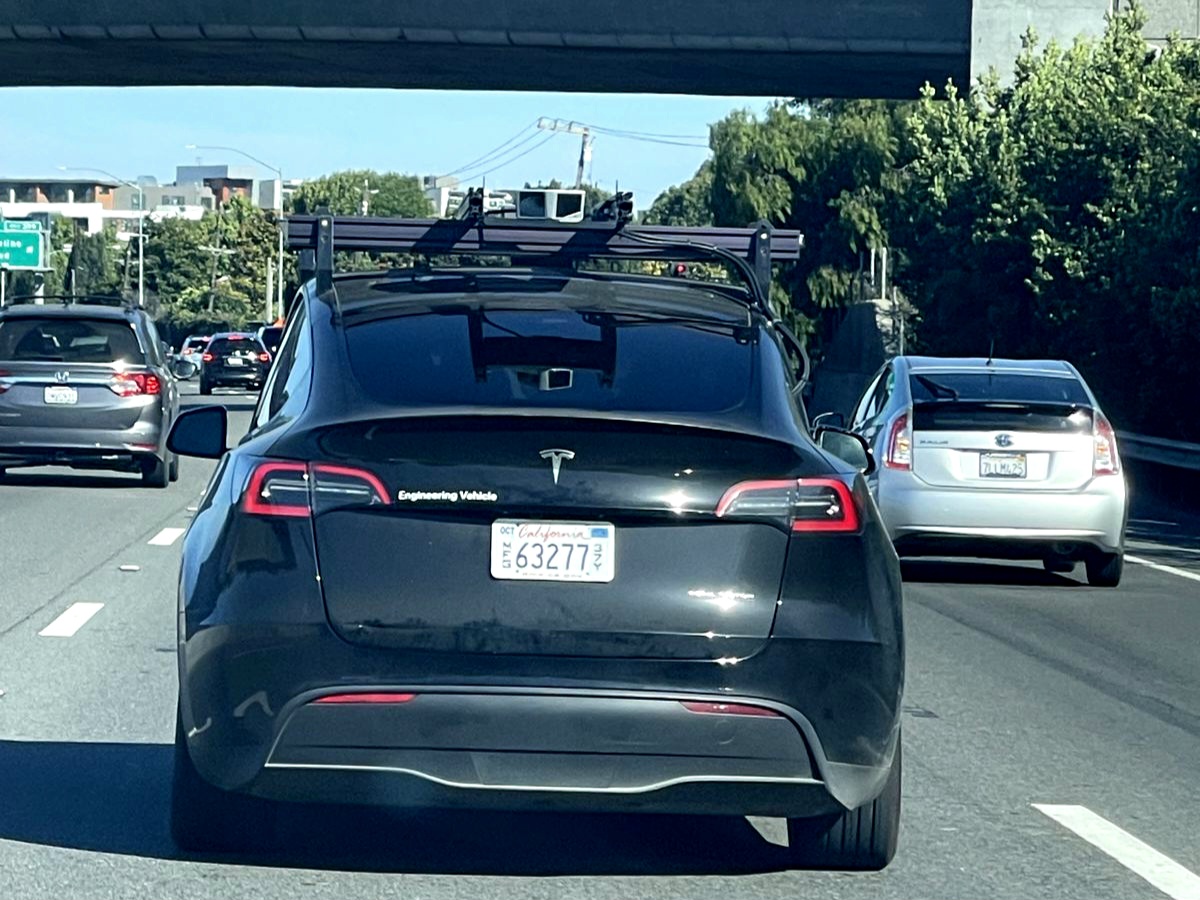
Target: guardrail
{"x":1159,"y":451}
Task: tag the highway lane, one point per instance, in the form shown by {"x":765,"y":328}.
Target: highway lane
{"x":1024,"y":688}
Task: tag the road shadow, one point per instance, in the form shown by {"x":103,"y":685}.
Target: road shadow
{"x":1013,"y":574}
{"x":113,"y":798}
{"x":232,"y":402}
{"x":57,"y":478}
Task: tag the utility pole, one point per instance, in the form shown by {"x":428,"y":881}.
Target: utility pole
{"x":585,"y":146}
{"x":366,"y":196}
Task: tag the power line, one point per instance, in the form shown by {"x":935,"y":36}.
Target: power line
{"x":647,"y":134}
{"x":481,"y":160}
{"x":549,"y":137}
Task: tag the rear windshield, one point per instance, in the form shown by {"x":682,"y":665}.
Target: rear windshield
{"x":550,"y":359}
{"x":195,"y":343}
{"x":227,"y":346}
{"x":997,"y":386}
{"x":69,"y":340}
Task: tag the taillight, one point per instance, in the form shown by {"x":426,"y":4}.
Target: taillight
{"x":375,"y":698}
{"x":4,"y":373}
{"x":280,"y":488}
{"x":131,"y":384}
{"x":806,"y":504}
{"x":727,"y":709}
{"x":1105,"y":460}
{"x":899,"y":447}
{"x":206,"y":357}
{"x":264,"y":357}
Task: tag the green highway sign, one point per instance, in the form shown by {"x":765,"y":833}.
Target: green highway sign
{"x":20,"y":249}
{"x":20,"y":225}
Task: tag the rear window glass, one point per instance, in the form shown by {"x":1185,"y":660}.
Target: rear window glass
{"x":195,"y":343}
{"x":996,"y":386}
{"x":226,"y":346}
{"x":549,"y":359}
{"x":69,"y":340}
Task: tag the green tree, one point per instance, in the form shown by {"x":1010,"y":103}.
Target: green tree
{"x":391,"y":194}
{"x":92,"y":265}
{"x":688,"y":204}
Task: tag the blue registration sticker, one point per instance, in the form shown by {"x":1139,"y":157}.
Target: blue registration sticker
{"x":599,"y":532}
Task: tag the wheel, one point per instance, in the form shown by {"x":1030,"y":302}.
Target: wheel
{"x":173,"y":471}
{"x":1058,"y":565}
{"x":1104,"y":569}
{"x":155,"y":472}
{"x":206,"y":818}
{"x":862,"y":839}
{"x":205,"y":386}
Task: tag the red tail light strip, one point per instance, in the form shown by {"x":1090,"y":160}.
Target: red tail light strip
{"x":728,"y":709}
{"x":255,"y":504}
{"x":377,"y":698}
{"x":847,"y":519}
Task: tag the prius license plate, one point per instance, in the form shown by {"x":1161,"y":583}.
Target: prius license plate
{"x":1002,"y":465}
{"x":553,"y":551}
{"x":60,"y":395}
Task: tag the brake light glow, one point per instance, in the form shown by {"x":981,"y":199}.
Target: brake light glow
{"x":806,"y":504}
{"x":206,"y":357}
{"x":376,"y":698}
{"x":132,"y":384}
{"x":4,"y":386}
{"x":1105,"y":460}
{"x":899,"y":448}
{"x":264,"y":357}
{"x":728,"y":709}
{"x":291,"y":489}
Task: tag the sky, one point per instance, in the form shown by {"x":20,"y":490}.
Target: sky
{"x":307,"y":132}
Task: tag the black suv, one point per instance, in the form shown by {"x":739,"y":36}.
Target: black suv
{"x":85,"y":383}
{"x":234,"y":358}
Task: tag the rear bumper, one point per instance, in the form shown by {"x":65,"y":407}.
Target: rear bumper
{"x":81,"y":446}
{"x":235,"y":376}
{"x":923,"y":519}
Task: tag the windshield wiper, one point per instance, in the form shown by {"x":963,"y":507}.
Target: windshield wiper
{"x":937,"y":388}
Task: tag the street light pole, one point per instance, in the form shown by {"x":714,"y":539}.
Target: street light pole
{"x":278,"y":204}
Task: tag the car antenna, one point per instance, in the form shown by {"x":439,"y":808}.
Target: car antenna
{"x":991,"y":351}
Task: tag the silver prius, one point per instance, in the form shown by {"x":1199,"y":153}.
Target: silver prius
{"x":1010,"y":459}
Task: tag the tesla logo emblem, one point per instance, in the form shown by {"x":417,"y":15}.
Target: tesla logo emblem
{"x":556,"y":458}
{"x":62,"y":377}
{"x":1004,"y":440}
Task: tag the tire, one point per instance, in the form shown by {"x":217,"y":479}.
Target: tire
{"x":206,"y":818}
{"x":156,"y":473}
{"x":1058,"y":566}
{"x":1104,"y":569}
{"x":205,"y":386}
{"x":861,"y":840}
{"x":173,"y":470}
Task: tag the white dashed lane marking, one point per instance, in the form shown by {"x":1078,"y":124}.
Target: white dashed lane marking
{"x":1137,"y":856}
{"x":1159,"y":567}
{"x":75,"y":617}
{"x":166,"y":537}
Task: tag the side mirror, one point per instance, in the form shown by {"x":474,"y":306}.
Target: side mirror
{"x":202,"y":432}
{"x":830,"y":419}
{"x":848,"y":447}
{"x":183,"y":368}
{"x":166,"y":349}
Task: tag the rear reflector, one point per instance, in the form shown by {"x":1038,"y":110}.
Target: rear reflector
{"x":728,"y":709}
{"x":366,"y":698}
{"x":283,"y":488}
{"x":805,"y":504}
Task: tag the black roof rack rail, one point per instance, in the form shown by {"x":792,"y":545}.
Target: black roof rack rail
{"x":69,"y":300}
{"x":750,"y":251}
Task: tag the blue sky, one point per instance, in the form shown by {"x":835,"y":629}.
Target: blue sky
{"x":308,"y":132}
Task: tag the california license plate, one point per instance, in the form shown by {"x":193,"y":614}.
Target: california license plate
{"x":553,"y":551}
{"x":1002,"y":465}
{"x":60,"y":395}
{"x":235,"y":361}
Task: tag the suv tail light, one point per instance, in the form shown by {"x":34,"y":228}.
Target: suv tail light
{"x":1105,"y":460}
{"x":4,"y":385}
{"x":899,"y":446}
{"x":293,"y":489}
{"x":264,"y":357}
{"x":806,"y":504}
{"x":131,"y":384}
{"x":206,"y":357}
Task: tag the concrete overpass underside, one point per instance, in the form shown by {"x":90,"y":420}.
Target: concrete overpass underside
{"x":850,"y":48}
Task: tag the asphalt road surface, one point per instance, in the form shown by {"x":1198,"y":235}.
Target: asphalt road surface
{"x":1052,"y":739}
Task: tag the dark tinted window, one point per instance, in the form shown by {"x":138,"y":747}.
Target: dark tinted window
{"x":270,"y":338}
{"x":196,"y":343}
{"x":569,"y":205}
{"x":226,"y":346}
{"x":996,"y":386}
{"x":508,"y":358}
{"x":69,"y":340}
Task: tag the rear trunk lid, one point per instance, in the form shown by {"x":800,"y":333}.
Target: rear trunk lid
{"x":425,"y":570}
{"x":58,"y":395}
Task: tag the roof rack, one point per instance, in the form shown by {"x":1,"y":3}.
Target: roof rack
{"x":749,"y":251}
{"x":68,"y":300}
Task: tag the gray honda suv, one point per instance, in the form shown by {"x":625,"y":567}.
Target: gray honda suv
{"x":85,"y":384}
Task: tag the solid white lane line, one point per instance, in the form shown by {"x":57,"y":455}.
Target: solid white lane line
{"x":1139,"y":857}
{"x":1170,"y":570}
{"x":166,"y":537}
{"x":75,"y":617}
{"x":1147,"y":545}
